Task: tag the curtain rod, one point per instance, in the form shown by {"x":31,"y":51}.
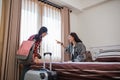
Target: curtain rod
{"x":50,"y":3}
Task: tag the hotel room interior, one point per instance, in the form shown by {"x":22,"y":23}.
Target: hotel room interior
{"x":97,"y":23}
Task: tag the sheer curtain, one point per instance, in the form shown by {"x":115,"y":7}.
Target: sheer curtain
{"x":52,"y":20}
{"x":29,"y":19}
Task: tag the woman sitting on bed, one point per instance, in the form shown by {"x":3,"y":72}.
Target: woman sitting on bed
{"x":75,"y":48}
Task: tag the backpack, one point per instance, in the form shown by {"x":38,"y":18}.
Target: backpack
{"x":25,"y":51}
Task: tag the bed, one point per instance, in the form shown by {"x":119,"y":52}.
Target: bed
{"x":106,"y":67}
{"x":87,"y":70}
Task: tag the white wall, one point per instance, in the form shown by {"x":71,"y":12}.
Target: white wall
{"x":74,"y":20}
{"x":99,"y":25}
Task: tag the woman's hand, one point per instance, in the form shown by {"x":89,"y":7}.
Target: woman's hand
{"x":37,"y":60}
{"x":59,"y":42}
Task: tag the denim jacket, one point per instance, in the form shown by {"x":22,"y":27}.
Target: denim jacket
{"x":79,"y":51}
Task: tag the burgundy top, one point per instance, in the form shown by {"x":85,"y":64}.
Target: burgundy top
{"x":37,"y":44}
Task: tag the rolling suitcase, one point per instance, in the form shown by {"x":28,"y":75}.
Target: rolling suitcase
{"x":42,"y":74}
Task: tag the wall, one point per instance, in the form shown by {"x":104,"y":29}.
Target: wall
{"x":99,"y":25}
{"x":74,"y":21}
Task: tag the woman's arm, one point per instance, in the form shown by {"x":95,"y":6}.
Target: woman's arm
{"x":60,"y":43}
{"x":67,"y":49}
{"x":37,"y":60}
{"x":36,"y":55}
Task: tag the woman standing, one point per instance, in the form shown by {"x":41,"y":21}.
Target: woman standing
{"x":38,"y":39}
{"x":34,"y":56}
{"x":75,"y":48}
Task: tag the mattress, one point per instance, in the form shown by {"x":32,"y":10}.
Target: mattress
{"x":86,"y":70}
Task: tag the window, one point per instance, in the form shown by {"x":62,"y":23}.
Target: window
{"x":28,"y":20}
{"x":51,"y":18}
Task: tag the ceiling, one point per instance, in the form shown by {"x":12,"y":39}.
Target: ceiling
{"x":78,"y":5}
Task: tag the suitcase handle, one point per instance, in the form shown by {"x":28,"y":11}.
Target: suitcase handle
{"x":50,"y":65}
{"x":48,"y":53}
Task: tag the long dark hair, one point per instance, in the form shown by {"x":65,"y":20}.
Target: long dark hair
{"x":75,"y":36}
{"x":39,"y":35}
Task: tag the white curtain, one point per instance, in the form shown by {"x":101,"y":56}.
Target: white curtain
{"x":36,"y":14}
{"x":52,"y":20}
{"x":29,"y":17}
